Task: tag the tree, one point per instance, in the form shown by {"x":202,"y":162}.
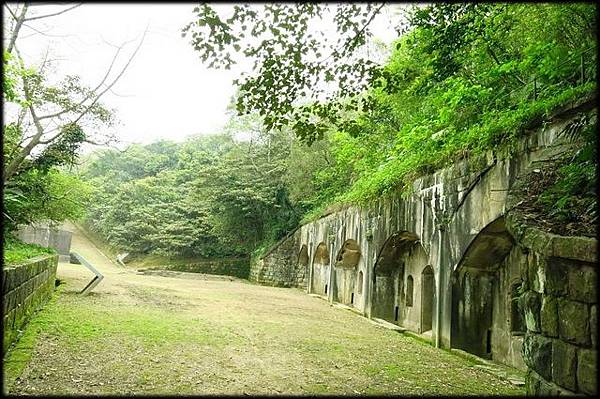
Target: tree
{"x":295,"y":63}
{"x":211,"y":196}
{"x":53,"y":119}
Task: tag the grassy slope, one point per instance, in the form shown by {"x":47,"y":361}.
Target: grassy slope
{"x":16,"y":251}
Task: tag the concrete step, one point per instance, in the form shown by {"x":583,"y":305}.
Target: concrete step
{"x":346,"y":307}
{"x":387,"y":324}
{"x":514,"y":376}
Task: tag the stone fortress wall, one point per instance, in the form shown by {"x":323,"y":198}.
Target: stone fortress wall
{"x":451,"y":262}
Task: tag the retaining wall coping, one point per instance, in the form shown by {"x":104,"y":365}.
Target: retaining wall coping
{"x":583,"y":249}
{"x":30,"y":261}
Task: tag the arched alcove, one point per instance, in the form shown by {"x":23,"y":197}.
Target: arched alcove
{"x":320,"y":270}
{"x":409,"y":291}
{"x":345,"y":272}
{"x":302,"y":266}
{"x":427,"y":298}
{"x":303,"y":256}
{"x":348,"y":256}
{"x":482,"y":295}
{"x":400,"y":252}
{"x":359,"y":284}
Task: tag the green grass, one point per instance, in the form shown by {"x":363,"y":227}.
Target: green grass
{"x":16,"y":251}
{"x":86,"y":321}
{"x":98,"y":327}
{"x":20,"y":354}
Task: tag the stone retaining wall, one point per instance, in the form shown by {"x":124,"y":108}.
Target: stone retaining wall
{"x":236,"y":267}
{"x":283,"y":267}
{"x":25,"y":288}
{"x":559,"y":302}
{"x":42,"y":234}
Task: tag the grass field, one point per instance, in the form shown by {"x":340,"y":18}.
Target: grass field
{"x":140,"y":334}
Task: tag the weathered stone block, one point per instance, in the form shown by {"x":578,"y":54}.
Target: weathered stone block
{"x":537,"y":240}
{"x":556,"y":273}
{"x":579,"y":248}
{"x":28,"y":287}
{"x":535,"y":385}
{"x":28,"y":303}
{"x":8,"y":283}
{"x":582,"y":284}
{"x":530,"y":303}
{"x":34,"y":269}
{"x":19,"y":276}
{"x":19,"y":297}
{"x":537,"y":354}
{"x":532,"y":383}
{"x":573,"y":322}
{"x":10,"y":300}
{"x":524,"y":267}
{"x":587,"y":371}
{"x":549,"y":316}
{"x":564,"y":365}
{"x":29,"y":270}
{"x":535,"y":273}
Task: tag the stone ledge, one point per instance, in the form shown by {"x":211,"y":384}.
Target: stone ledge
{"x":538,"y":386}
{"x":584,"y":249}
{"x":387,"y":324}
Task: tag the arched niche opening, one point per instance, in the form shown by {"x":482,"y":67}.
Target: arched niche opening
{"x":345,"y":272}
{"x":348,"y":256}
{"x":303,"y":256}
{"x":427,"y":298}
{"x":483,"y":288}
{"x":401,"y":252}
{"x":360,"y":283}
{"x":302,"y":266}
{"x":320,"y":270}
{"x":409,"y":295}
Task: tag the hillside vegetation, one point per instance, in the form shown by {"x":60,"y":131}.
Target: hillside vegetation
{"x":462,"y":81}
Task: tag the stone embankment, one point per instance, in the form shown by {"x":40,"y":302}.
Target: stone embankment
{"x":25,"y":287}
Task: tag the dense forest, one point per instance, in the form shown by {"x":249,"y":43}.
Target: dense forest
{"x":461,"y":81}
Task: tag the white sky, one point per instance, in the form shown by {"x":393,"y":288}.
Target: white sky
{"x":167,"y":93}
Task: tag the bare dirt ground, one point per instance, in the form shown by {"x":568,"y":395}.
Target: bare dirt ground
{"x":151,"y":334}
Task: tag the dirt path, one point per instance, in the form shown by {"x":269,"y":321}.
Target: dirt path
{"x":163,"y":335}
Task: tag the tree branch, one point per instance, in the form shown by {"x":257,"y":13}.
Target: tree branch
{"x":18,"y":23}
{"x":355,"y":37}
{"x":114,"y":81}
{"x":89,"y":95}
{"x":11,"y":12}
{"x":16,"y":162}
{"x":53,"y":14}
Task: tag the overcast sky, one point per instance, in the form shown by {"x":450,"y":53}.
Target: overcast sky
{"x":167,"y":93}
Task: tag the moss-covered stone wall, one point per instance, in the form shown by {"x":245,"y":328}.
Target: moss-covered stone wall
{"x":25,"y":287}
{"x":559,"y":302}
{"x":286,"y":265}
